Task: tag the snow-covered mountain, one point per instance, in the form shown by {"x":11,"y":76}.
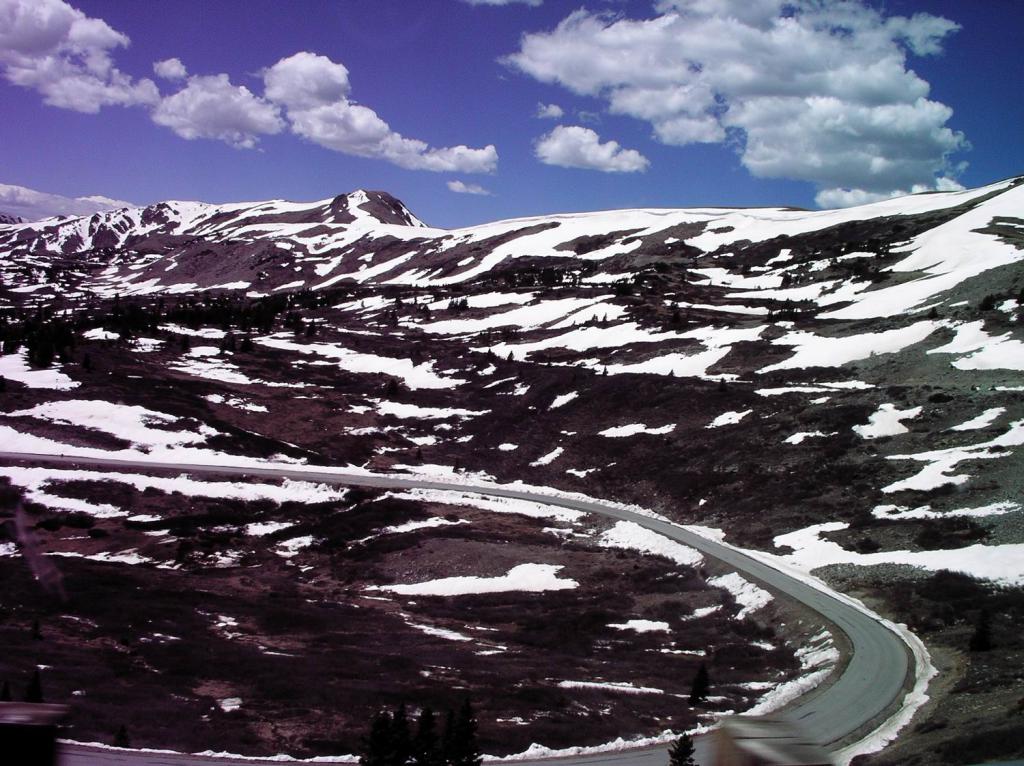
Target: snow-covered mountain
{"x":372,"y":238}
{"x":7,"y":218}
{"x":839,"y":389}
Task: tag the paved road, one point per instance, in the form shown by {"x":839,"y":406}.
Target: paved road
{"x":872,"y":680}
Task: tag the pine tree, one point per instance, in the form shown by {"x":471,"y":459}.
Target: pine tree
{"x":121,"y":739}
{"x":681,"y":752}
{"x":401,"y":741}
{"x":37,"y":634}
{"x":465,"y":749}
{"x":425,"y":747}
{"x":701,"y":683}
{"x":981,"y":641}
{"x":34,"y":693}
{"x":447,"y":750}
{"x":5,"y":692}
{"x":376,"y":746}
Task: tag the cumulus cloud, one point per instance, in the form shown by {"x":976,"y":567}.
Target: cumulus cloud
{"x":833,"y":198}
{"x":572,"y":146}
{"x":314,"y":92}
{"x":170,"y":69}
{"x":460,"y":187}
{"x":65,"y":56}
{"x":549,"y":112}
{"x":34,"y":205}
{"x":57,"y":50}
{"x":305,"y":81}
{"x":814,"y":90}
{"x":211,"y":107}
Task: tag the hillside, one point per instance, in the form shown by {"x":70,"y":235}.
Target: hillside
{"x":842,"y":389}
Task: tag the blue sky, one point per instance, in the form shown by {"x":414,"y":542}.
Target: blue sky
{"x":708,"y":102}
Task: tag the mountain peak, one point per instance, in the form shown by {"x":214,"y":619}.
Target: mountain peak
{"x":376,"y":205}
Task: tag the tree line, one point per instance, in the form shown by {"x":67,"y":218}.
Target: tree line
{"x":392,"y":740}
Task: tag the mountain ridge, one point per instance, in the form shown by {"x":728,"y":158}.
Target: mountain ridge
{"x":371,"y":237}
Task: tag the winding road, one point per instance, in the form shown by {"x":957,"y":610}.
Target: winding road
{"x":868,"y":689}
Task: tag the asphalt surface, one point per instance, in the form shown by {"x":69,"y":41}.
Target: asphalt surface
{"x":870,"y":684}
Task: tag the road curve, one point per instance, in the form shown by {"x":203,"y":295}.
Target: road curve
{"x":871,"y":683}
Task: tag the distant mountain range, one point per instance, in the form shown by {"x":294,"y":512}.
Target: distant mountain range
{"x":371,"y":237}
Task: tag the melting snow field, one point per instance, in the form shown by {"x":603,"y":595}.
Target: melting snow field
{"x":642,"y":626}
{"x":887,"y":421}
{"x":631,"y":536}
{"x":749,"y":596}
{"x":610,"y":686}
{"x":728,"y":419}
{"x":998,"y":563}
{"x":138,"y":425}
{"x":633,"y":429}
{"x":528,"y":578}
{"x":16,"y":367}
{"x":492,"y":504}
{"x":416,"y":376}
{"x":812,"y":350}
{"x":817,"y":660}
{"x":36,"y":482}
{"x":940,"y":463}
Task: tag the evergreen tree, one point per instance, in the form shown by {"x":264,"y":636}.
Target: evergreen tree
{"x":121,"y":739}
{"x":448,"y":739}
{"x":401,"y":740}
{"x":681,"y":752}
{"x":376,"y":746}
{"x":981,"y":641}
{"x":37,"y":634}
{"x":5,"y":692}
{"x":34,"y":693}
{"x":701,"y":683}
{"x":425,"y":746}
{"x":465,"y":751}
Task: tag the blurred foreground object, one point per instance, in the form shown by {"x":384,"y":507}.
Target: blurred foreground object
{"x":29,"y":732}
{"x":765,"y":741}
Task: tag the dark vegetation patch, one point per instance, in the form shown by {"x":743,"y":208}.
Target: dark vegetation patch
{"x":312,"y":656}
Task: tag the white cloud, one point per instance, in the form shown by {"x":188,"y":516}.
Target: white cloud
{"x":58,"y":51}
{"x":170,"y":69}
{"x":306,"y":80}
{"x":549,"y":112}
{"x":533,"y":3}
{"x":34,"y":205}
{"x":463,"y":188}
{"x":834,"y":198}
{"x":211,"y":107}
{"x":573,"y":146}
{"x":814,"y":90}
{"x":314,"y":93}
{"x":64,"y":55}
